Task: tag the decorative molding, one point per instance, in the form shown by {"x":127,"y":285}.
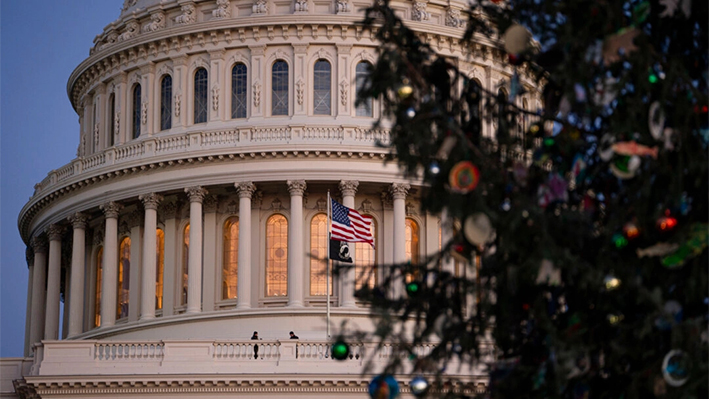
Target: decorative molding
{"x":211,"y":202}
{"x":178,"y":104}
{"x":257,"y":200}
{"x":144,"y":113}
{"x":419,"y":12}
{"x":132,"y":30}
{"x":296,"y":187}
{"x":223,"y":10}
{"x":135,"y":219}
{"x":150,"y":200}
{"x":453,"y":17}
{"x":387,"y":202}
{"x":157,"y":22}
{"x":98,"y":236}
{"x":55,"y":232}
{"x":257,"y":94}
{"x":168,"y":209}
{"x":300,"y":6}
{"x":411,"y":209}
{"x":321,"y":204}
{"x":366,"y":206}
{"x":78,"y":220}
{"x":229,"y":208}
{"x":215,"y":97}
{"x":344,"y":86}
{"x":260,"y":7}
{"x":188,"y":15}
{"x":196,"y":193}
{"x":111,"y":209}
{"x":299,"y":90}
{"x":399,"y":190}
{"x":245,"y":189}
{"x":342,"y":6}
{"x":276,"y":205}
{"x":348,"y":187}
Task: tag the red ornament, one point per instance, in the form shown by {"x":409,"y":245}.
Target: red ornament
{"x":496,"y":1}
{"x":666,"y":223}
{"x":631,"y":230}
{"x":514,"y":59}
{"x":525,"y":306}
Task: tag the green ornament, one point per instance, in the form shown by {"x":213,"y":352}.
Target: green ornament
{"x":619,"y":240}
{"x":340,"y":350}
{"x":548,"y":141}
{"x":413,"y":288}
{"x":653,"y":78}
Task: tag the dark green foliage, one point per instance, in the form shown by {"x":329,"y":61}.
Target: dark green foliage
{"x":580,"y":336}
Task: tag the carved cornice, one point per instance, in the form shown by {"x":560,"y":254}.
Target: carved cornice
{"x":245,"y":189}
{"x":296,"y":187}
{"x":78,"y":221}
{"x":150,"y":200}
{"x":196,"y":193}
{"x":111,"y":209}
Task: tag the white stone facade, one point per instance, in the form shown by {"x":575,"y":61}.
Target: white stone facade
{"x":153,"y":158}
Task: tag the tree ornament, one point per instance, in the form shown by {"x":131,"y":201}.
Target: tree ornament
{"x":413,"y":288}
{"x":676,"y":367}
{"x":666,"y":223}
{"x":578,"y":168}
{"x":536,"y":129}
{"x":631,"y":231}
{"x":619,"y":241}
{"x":615,"y":318}
{"x":548,"y":274}
{"x":694,"y":246}
{"x":625,"y":167}
{"x":405,"y":90}
{"x":340,"y":350}
{"x":410,"y":112}
{"x":433,"y":168}
{"x":477,"y":229}
{"x":641,"y":12}
{"x":633,"y":148}
{"x":419,"y":386}
{"x":514,"y":59}
{"x":619,"y":43}
{"x":446,"y":147}
{"x":516,"y":39}
{"x":671,"y":8}
{"x":383,"y":387}
{"x":611,"y":282}
{"x":605,"y":147}
{"x":659,"y":249}
{"x":464,"y":177}
{"x":672,"y":315}
{"x":656,"y":121}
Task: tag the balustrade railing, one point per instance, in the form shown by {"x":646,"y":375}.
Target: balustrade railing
{"x":162,"y":146}
{"x":127,"y":350}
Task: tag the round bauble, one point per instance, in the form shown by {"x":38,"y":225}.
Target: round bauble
{"x":516,"y":39}
{"x":413,"y":288}
{"x":676,"y":367}
{"x":383,"y":387}
{"x":477,"y":229}
{"x":419,"y":386}
{"x":611,"y":282}
{"x":340,"y":350}
{"x":464,"y":177}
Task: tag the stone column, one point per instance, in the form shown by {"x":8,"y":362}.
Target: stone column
{"x":211,"y":288}
{"x":28,"y":311}
{"x":194,"y":284}
{"x":168,"y":210}
{"x":135,"y":224}
{"x":54,"y":272}
{"x":78,"y":257}
{"x":243,"y":289}
{"x":147,"y":296}
{"x":295,"y":243}
{"x":348,"y":188}
{"x":398,"y":193}
{"x":40,"y":247}
{"x":109,"y":278}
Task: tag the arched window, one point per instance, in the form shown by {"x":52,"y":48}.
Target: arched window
{"x":200,"y":95}
{"x":230,"y":260}
{"x":277,"y":256}
{"x":185,"y":263}
{"x":136,"y":111}
{"x":412,"y":244}
{"x":109,"y":120}
{"x":361,"y":76}
{"x":366,"y":263}
{"x":166,"y":103}
{"x":238,"y":91}
{"x":412,"y":241}
{"x":318,"y":252}
{"x":279,"y":85}
{"x":99,"y":281}
{"x":123,"y":278}
{"x":159,"y":278}
{"x":476,"y":112}
{"x":321,"y":88}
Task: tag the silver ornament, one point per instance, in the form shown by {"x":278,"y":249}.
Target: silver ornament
{"x":478,"y":229}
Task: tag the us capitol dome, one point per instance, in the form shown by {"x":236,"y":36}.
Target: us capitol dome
{"x":210,"y":133}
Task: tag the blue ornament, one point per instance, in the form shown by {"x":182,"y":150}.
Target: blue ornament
{"x":383,"y":387}
{"x":675,"y":367}
{"x":419,"y":386}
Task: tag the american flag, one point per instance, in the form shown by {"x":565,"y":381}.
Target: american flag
{"x":349,"y":225}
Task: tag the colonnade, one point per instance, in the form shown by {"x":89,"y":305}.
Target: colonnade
{"x":45,"y":268}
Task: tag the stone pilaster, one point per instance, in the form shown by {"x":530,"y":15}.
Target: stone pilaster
{"x":40,"y":247}
{"x":78,"y":256}
{"x":243,"y":290}
{"x":147,"y":295}
{"x":51,"y":321}
{"x":194,"y":283}
{"x":109,"y":279}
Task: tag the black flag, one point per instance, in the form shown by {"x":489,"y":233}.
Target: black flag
{"x":340,"y":251}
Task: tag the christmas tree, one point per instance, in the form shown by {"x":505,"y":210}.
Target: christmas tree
{"x":579,"y":229}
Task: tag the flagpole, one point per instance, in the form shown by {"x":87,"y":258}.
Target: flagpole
{"x":327,"y":278}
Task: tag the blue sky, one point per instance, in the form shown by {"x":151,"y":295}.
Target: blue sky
{"x":41,"y":42}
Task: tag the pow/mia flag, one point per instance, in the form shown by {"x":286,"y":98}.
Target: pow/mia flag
{"x":340,"y":251}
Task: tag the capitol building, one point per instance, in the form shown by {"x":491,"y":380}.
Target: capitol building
{"x":195,"y":211}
